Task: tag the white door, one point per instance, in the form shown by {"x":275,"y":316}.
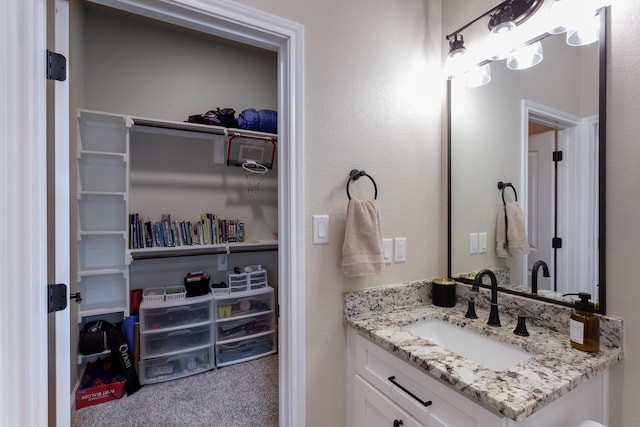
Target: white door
{"x":541,"y":206}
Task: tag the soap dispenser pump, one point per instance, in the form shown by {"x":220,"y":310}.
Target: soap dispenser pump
{"x":584,"y":329}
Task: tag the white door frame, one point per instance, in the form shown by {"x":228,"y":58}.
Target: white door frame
{"x":62,"y":238}
{"x":231,"y":20}
{"x":23,"y":257}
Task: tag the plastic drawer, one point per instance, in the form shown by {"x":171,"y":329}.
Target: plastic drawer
{"x":175,"y":314}
{"x":246,"y":305}
{"x":247,"y":326}
{"x":175,"y":366}
{"x":243,"y":350}
{"x":160,"y":343}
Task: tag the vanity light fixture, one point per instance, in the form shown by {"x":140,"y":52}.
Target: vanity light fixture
{"x":504,"y":18}
{"x":455,"y":60}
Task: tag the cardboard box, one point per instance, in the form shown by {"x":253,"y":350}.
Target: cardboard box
{"x":99,"y":394}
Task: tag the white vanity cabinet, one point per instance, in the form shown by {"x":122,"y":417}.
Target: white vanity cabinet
{"x":383,"y":389}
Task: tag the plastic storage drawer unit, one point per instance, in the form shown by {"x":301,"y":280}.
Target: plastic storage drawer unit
{"x":175,"y":314}
{"x":176,"y":365}
{"x":232,"y":306}
{"x":243,"y":350}
{"x":154,"y":344}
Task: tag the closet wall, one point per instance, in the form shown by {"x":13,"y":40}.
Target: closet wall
{"x":127,"y":64}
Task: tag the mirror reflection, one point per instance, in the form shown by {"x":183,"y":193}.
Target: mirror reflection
{"x":508,"y":131}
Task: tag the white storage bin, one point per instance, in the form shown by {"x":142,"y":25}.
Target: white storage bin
{"x":175,"y":314}
{"x":153,"y":295}
{"x":162,"y":343}
{"x":176,"y":365}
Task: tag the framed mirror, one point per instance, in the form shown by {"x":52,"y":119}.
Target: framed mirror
{"x":542,"y":132}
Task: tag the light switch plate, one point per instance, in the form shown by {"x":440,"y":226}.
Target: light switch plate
{"x":400,"y":250}
{"x":473,"y":243}
{"x":320,"y":229}
{"x":387,"y":244}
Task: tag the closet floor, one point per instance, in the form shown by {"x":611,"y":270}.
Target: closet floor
{"x":242,"y":395}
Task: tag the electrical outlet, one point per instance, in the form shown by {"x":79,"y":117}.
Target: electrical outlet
{"x":401,"y":249}
{"x":387,"y":244}
{"x":222,"y":262}
{"x":473,"y":243}
{"x":482,"y":243}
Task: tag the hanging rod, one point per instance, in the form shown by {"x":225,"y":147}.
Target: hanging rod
{"x":354,"y":175}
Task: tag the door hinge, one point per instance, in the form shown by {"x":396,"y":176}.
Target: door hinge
{"x":556,"y":243}
{"x":557,"y":156}
{"x":57,"y":297}
{"x":56,"y":66}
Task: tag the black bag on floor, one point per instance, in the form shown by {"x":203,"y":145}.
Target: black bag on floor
{"x":120,"y":356}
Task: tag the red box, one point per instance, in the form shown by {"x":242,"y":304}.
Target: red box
{"x":99,"y":394}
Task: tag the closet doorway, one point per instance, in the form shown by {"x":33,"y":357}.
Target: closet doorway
{"x":560,"y":157}
{"x":253,"y":28}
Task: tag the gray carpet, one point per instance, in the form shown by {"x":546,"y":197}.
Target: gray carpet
{"x":242,"y":395}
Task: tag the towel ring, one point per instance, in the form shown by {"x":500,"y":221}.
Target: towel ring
{"x":503,"y":185}
{"x":354,"y":175}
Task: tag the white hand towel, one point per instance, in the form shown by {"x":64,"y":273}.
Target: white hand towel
{"x":511,"y":236}
{"x":502,"y":251}
{"x":362,"y":251}
{"x":516,"y":234}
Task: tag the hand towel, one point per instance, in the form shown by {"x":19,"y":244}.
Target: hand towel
{"x":502,"y":251}
{"x":362,"y":251}
{"x":517,"y":241}
{"x":511,"y":236}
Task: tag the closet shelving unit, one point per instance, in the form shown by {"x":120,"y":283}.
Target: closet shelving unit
{"x":103,"y":196}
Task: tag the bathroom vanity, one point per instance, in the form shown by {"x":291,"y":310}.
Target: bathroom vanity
{"x":398,"y":378}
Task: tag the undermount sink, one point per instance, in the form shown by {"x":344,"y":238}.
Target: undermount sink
{"x":484,"y":351}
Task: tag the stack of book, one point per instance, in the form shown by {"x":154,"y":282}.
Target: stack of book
{"x":168,"y":232}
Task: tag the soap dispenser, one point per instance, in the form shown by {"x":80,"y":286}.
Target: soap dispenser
{"x":584,"y":328}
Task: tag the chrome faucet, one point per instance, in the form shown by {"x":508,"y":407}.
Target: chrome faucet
{"x":534,"y":274}
{"x":494,"y":319}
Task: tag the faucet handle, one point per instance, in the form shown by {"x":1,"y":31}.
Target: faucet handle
{"x":471,"y":310}
{"x":521,"y":327}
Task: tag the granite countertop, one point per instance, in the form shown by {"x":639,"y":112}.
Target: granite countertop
{"x":517,"y":392}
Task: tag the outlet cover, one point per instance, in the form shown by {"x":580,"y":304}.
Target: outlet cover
{"x":482,"y":243}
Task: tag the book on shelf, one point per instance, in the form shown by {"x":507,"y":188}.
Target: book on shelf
{"x":169,"y":232}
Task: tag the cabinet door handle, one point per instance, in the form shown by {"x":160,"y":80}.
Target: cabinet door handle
{"x":392,"y":380}
{"x":397,"y":423}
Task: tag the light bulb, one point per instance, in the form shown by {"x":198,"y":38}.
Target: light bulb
{"x":478,"y":76}
{"x":525,"y":57}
